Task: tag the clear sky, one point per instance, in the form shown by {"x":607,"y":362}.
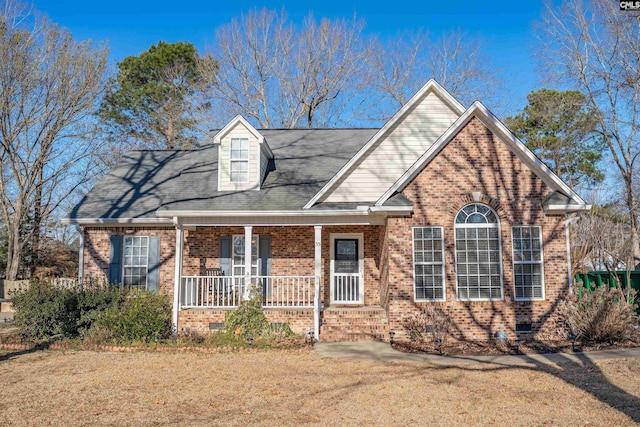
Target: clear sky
{"x":130,"y":27}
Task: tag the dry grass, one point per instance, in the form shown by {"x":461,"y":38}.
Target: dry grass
{"x":281,"y":388}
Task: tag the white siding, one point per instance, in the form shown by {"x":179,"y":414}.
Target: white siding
{"x":395,"y":151}
{"x":225,"y":184}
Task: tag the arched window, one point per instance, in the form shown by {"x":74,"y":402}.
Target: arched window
{"x":478,"y":264}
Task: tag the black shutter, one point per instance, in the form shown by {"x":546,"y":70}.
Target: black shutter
{"x":264,"y":253}
{"x":153,"y":264}
{"x":115,"y":259}
{"x":225,"y":255}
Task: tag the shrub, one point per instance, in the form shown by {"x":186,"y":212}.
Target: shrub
{"x":42,"y":310}
{"x":248,"y":320}
{"x":432,"y":323}
{"x":143,"y":316}
{"x":94,"y":299}
{"x":605,"y":314}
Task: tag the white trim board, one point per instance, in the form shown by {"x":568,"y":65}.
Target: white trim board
{"x":239,"y":119}
{"x":516,"y":146}
{"x":430,"y":85}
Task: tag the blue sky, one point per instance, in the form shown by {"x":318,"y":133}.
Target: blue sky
{"x":130,"y":27}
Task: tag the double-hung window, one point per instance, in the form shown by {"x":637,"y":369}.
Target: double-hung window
{"x":135,"y":261}
{"x":239,"y":160}
{"x":428,"y":263}
{"x":527,"y":262}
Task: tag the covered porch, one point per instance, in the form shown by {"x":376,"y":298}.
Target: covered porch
{"x":298,"y":269}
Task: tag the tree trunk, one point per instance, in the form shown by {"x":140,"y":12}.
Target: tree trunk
{"x":37,"y":224}
{"x":14,"y":254}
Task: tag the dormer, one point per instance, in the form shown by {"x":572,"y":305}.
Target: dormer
{"x":243,"y":156}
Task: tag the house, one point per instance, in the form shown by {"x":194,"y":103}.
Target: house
{"x":347,"y":232}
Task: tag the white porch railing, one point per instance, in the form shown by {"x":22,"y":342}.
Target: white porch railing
{"x":286,"y":291}
{"x":347,"y":288}
{"x":228,"y":291}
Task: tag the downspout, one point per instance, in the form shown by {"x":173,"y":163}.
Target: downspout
{"x":178,"y":273}
{"x":570,"y":220}
{"x":81,"y":254}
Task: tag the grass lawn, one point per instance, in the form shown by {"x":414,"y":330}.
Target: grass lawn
{"x":282,"y":388}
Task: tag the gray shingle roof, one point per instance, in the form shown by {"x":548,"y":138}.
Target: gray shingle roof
{"x":146,"y":181}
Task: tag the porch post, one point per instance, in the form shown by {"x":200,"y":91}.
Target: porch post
{"x":247,"y":260}
{"x":318,"y":273}
{"x":178,"y":273}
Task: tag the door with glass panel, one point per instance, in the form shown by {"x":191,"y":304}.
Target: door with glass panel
{"x":237,"y":260}
{"x":346,"y":277}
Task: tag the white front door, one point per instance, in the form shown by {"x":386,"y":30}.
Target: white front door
{"x":347,"y":286}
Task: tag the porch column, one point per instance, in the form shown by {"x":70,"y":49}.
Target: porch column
{"x":247,"y":261}
{"x":318,"y":273}
{"x":178,"y":273}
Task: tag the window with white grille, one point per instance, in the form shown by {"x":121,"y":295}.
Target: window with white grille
{"x":478,"y":260}
{"x":135,"y":261}
{"x":239,"y":160}
{"x":428,"y":263}
{"x":527,"y":262}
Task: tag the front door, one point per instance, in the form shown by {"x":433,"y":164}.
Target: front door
{"x":346,"y":281}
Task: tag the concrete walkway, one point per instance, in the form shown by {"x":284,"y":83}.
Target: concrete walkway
{"x":383,"y":352}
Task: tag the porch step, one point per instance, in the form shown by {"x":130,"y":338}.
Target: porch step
{"x":354,"y":324}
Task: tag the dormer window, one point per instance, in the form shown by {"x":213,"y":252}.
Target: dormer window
{"x":239,"y":160}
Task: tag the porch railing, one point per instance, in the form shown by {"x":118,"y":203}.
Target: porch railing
{"x":347,"y":288}
{"x":228,"y":291}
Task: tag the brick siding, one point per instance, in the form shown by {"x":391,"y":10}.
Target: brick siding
{"x":475,"y":161}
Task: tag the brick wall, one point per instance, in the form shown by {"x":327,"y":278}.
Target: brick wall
{"x":96,"y":251}
{"x":299,"y":319}
{"x":475,"y":161}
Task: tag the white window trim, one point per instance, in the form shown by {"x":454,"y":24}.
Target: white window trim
{"x":541,"y":262}
{"x":124,"y":239}
{"x":455,"y":251}
{"x":332,"y":243}
{"x":413,"y":270}
{"x":231,"y":160}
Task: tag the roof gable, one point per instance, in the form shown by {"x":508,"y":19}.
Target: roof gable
{"x":432,"y":86}
{"x":217,"y":138}
{"x":481,"y":112}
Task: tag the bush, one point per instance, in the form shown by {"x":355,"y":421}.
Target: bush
{"x":605,"y":314}
{"x":432,"y":323}
{"x":93,"y":308}
{"x":95,"y":300}
{"x":143,"y":316}
{"x":248,"y":320}
{"x":43,"y":310}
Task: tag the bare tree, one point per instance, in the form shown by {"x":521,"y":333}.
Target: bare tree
{"x":594,"y":46}
{"x":400,"y":65}
{"x":281,"y":75}
{"x":49,"y":85}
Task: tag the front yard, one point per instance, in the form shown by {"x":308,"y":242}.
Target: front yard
{"x":283,"y":388}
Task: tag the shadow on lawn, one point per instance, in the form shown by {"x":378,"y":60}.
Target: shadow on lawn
{"x":583,"y":374}
{"x":14,"y":354}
